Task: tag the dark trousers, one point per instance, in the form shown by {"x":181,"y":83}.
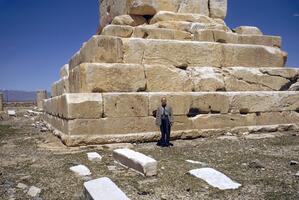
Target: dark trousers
{"x":165,"y":131}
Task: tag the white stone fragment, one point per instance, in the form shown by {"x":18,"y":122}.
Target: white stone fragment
{"x":81,"y":170}
{"x":22,"y":186}
{"x":197,"y":162}
{"x":11,"y":112}
{"x":34,"y":191}
{"x":94,"y":156}
{"x":215,"y":178}
{"x":103,"y":189}
{"x":297,"y":174}
{"x":136,"y":161}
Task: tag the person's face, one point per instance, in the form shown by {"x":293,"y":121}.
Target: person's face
{"x":163,"y":101}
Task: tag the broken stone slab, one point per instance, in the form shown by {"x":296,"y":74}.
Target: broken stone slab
{"x":248,"y":30}
{"x":293,"y":162}
{"x":34,"y":191}
{"x":137,"y":161}
{"x":94,"y":156}
{"x":103,"y":189}
{"x":218,"y":8}
{"x":215,"y":178}
{"x":80,"y":170}
{"x":11,"y":113}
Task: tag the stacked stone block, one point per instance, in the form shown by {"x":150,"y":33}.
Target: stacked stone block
{"x":215,"y":78}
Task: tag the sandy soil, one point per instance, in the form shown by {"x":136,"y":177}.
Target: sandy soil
{"x":39,"y":159}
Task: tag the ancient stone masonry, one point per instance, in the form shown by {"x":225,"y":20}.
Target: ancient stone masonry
{"x":216,"y":78}
{"x":41,"y":95}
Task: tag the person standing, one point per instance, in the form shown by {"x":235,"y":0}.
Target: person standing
{"x":164,"y":120}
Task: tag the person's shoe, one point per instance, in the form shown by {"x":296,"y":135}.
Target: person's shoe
{"x":170,"y":144}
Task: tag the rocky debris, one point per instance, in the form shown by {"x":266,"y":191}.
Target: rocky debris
{"x":111,"y":168}
{"x":256,"y":164}
{"x":22,"y":186}
{"x":103,"y":189}
{"x":94,"y":156}
{"x":297,"y":174}
{"x":137,"y":161}
{"x":293,"y":162}
{"x":41,"y":125}
{"x":215,"y":178}
{"x":34,"y":191}
{"x":80,"y":170}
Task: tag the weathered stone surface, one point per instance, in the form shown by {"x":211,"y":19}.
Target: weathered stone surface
{"x":200,"y":54}
{"x":60,"y":87}
{"x":118,"y":31}
{"x":251,"y":102}
{"x":294,"y":87}
{"x":218,"y":8}
{"x":130,"y":20}
{"x":215,"y":121}
{"x":103,"y":189}
{"x":207,"y":79}
{"x":136,"y":161}
{"x":34,"y":191}
{"x":88,"y":77}
{"x":64,"y":71}
{"x":99,"y":48}
{"x":187,"y":17}
{"x":215,"y":178}
{"x":248,"y":30}
{"x":252,"y":79}
{"x":71,"y":106}
{"x":41,"y":95}
{"x":167,"y":78}
{"x":234,"y":38}
{"x":126,"y":104}
{"x":151,"y":32}
{"x":109,"y":9}
{"x":80,"y":170}
{"x":210,"y":102}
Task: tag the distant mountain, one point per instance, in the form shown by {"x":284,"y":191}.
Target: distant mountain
{"x":19,"y":96}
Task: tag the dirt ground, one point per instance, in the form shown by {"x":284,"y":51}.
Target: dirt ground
{"x":39,"y":159}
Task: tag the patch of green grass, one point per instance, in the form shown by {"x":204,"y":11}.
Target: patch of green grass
{"x":6,"y":130}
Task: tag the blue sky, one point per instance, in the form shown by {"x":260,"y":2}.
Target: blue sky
{"x":38,"y":36}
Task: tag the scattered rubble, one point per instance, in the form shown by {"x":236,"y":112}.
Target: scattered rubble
{"x":81,"y":170}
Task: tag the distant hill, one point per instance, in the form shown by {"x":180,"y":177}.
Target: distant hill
{"x":19,"y":96}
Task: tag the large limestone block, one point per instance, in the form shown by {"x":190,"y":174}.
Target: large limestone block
{"x":151,"y":32}
{"x":126,"y":104}
{"x":56,"y":123}
{"x":64,"y":71}
{"x":194,"y":6}
{"x":214,"y":121}
{"x":104,"y":77}
{"x":107,"y":126}
{"x":99,"y":48}
{"x":248,"y":30}
{"x":103,"y":189}
{"x":218,"y":8}
{"x":250,"y":102}
{"x":118,"y":31}
{"x":130,"y":20}
{"x":167,"y":78}
{"x":252,"y":55}
{"x":207,"y":102}
{"x":200,"y":54}
{"x":76,"y":106}
{"x":60,"y":87}
{"x":137,"y":161}
{"x":179,"y":101}
{"x":207,"y":79}
{"x":288,"y":73}
{"x":234,"y":38}
{"x":187,"y":17}
{"x":252,"y":79}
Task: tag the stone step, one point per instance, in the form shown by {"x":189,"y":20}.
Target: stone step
{"x":187,"y":104}
{"x":103,"y":189}
{"x":86,"y":138}
{"x":88,"y":77}
{"x":108,"y":49}
{"x":136,"y":161}
{"x":208,"y":35}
